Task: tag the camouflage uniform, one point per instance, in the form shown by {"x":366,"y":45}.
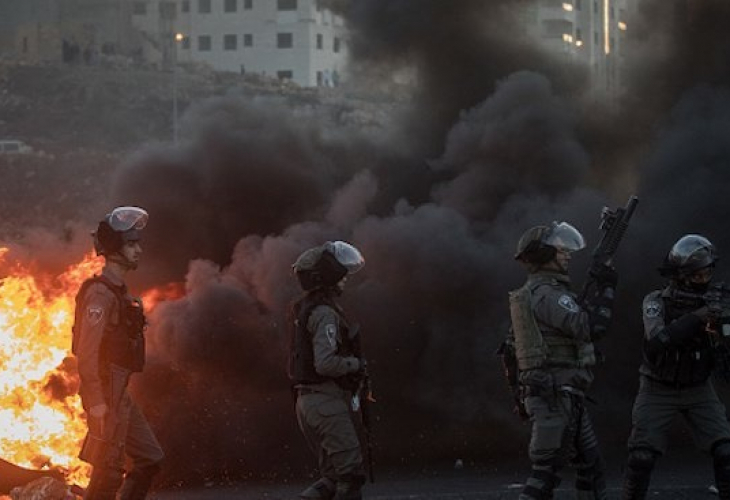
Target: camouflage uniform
{"x":678,"y":360}
{"x":99,"y":315}
{"x":554,"y":393}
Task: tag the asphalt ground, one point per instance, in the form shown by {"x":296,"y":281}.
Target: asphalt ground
{"x":693,"y":482}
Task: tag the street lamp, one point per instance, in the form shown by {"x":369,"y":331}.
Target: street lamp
{"x":179,"y":37}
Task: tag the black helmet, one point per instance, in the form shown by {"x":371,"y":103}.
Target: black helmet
{"x":690,"y":253}
{"x":121,"y":225}
{"x":324,"y":266}
{"x":539,"y":244}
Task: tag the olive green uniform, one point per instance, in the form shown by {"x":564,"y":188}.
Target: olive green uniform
{"x":553,"y":391}
{"x":675,"y":380}
{"x":100,"y":313}
{"x":324,"y":408}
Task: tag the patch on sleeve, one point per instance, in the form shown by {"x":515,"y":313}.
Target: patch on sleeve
{"x":567,"y":302}
{"x":331,"y":331}
{"x":653,"y":309}
{"x":94,"y":313}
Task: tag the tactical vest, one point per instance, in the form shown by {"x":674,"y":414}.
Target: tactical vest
{"x":684,"y":365}
{"x":301,"y":347}
{"x":122,"y":344}
{"x":535,"y":349}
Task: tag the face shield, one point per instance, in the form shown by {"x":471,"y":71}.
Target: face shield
{"x":123,"y":219}
{"x":564,"y":237}
{"x":347,"y":255}
{"x":692,"y":252}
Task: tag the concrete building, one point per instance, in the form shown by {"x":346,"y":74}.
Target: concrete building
{"x":289,"y":39}
{"x":589,"y":31}
{"x":66,"y":30}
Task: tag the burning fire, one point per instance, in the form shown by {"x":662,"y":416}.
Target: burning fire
{"x":41,"y":417}
{"x":41,"y":422}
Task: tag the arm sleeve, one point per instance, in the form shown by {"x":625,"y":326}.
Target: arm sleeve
{"x":327,"y":339}
{"x":98,"y":305}
{"x":557,"y":309}
{"x":658,"y":336}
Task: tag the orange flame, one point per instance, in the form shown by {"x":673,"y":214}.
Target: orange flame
{"x":41,"y":423}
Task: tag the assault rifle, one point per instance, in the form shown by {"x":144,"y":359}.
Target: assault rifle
{"x":613,"y":224}
{"x":104,"y":447}
{"x":362,"y":399}
{"x":365,"y":393}
{"x":717,"y":300}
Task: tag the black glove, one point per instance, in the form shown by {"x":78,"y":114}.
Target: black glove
{"x":605,"y":275}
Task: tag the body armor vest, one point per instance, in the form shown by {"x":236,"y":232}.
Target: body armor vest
{"x":123,"y":344}
{"x":682,"y":365}
{"x":301,"y":348}
{"x":537,"y":349}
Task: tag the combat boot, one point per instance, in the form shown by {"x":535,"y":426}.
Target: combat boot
{"x":322,"y":489}
{"x":349,"y":489}
{"x":137,"y":483}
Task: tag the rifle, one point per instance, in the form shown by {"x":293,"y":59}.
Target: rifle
{"x":107,"y":448}
{"x":614,"y":224}
{"x":365,"y":393}
{"x":361,"y":401}
{"x":717,"y":300}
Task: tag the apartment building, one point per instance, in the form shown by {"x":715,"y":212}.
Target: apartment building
{"x":590,"y":31}
{"x":295,"y":40}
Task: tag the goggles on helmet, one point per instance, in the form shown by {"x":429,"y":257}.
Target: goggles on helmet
{"x":123,"y":219}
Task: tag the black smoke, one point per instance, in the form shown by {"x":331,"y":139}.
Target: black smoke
{"x":496,"y":137}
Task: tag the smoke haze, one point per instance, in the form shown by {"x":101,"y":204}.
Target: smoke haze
{"x":496,"y":137}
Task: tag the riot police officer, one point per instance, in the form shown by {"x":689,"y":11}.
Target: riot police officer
{"x":108,"y":341}
{"x":678,"y":359}
{"x":325,"y":364}
{"x":548,"y":358}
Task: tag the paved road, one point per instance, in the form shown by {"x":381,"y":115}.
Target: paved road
{"x":453,"y":486}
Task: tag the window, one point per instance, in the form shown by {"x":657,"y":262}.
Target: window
{"x":230,"y":42}
{"x":578,"y":5}
{"x":168,"y":10}
{"x":284,"y":40}
{"x":336,"y":44}
{"x":204,"y":6}
{"x":248,"y":40}
{"x":595,"y":6}
{"x":204,"y":43}
{"x":231,"y":6}
{"x":248,"y":4}
{"x":556,"y":28}
{"x":139,"y":8}
{"x":320,"y":41}
{"x":286,"y":4}
{"x":185,"y":7}
{"x":319,"y":79}
{"x":186,"y":43}
{"x":596,"y":40}
{"x":286,"y":74}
